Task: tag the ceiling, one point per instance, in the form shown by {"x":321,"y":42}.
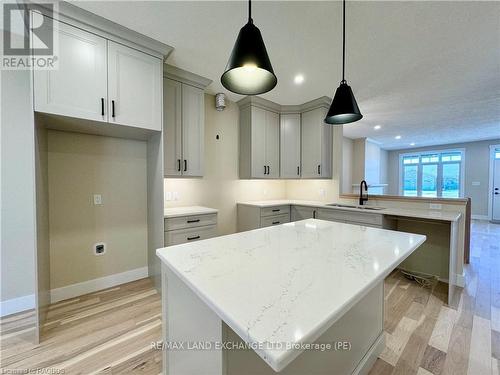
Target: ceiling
{"x":427,"y":71}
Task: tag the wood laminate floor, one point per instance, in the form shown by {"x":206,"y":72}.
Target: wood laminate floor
{"x":111,"y":331}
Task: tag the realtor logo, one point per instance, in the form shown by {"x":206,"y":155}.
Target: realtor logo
{"x":28,"y":36}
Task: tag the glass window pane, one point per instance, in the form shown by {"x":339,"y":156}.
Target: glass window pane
{"x":451,"y":180}
{"x":497,"y":155}
{"x":429,"y":180}
{"x":410,"y":173}
{"x":430,"y":158}
{"x":410,"y":160}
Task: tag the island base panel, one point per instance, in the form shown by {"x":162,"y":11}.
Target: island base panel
{"x":188,"y":319}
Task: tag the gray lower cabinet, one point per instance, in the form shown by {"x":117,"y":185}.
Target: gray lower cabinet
{"x":190,"y":228}
{"x":254,"y":217}
{"x":349,"y":217}
{"x":303,"y":212}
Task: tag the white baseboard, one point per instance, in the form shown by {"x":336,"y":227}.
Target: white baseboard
{"x":480,"y":217}
{"x":75,"y":290}
{"x":15,"y":305}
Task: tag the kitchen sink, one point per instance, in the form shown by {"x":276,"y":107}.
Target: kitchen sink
{"x":371,"y":208}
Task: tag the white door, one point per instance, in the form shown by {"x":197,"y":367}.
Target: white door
{"x":311,"y":144}
{"x":172,"y":127}
{"x":272,"y":144}
{"x":290,"y":145}
{"x":496,"y":189}
{"x":193,"y":135}
{"x":78,"y":87}
{"x":258,"y":124}
{"x":134,"y":87}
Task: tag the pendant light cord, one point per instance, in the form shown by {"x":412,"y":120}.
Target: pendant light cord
{"x":250,"y":20}
{"x":343,"y":43}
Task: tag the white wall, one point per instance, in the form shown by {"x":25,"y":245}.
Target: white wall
{"x":476,"y":170}
{"x":17,"y":192}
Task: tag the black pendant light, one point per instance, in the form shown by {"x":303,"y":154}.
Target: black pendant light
{"x":249,"y":70}
{"x":344,"y":108}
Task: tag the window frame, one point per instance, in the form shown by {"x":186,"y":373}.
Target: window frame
{"x":439,"y":179}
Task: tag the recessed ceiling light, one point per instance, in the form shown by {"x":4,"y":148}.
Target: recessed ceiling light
{"x":412,"y":144}
{"x":298,"y":79}
{"x":377,"y":127}
{"x":397,"y":137}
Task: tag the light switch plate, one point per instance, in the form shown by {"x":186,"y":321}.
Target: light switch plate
{"x":97,"y":200}
{"x":175,"y":195}
{"x":435,"y":206}
{"x":168,"y":196}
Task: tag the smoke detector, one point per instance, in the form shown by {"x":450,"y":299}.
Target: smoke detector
{"x":220,"y":101}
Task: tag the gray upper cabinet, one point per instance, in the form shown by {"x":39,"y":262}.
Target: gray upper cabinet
{"x":183,"y":122}
{"x":193,"y":130}
{"x":184,"y":129}
{"x":259,"y":143}
{"x":172,"y":129}
{"x":316,"y":145}
{"x":290,"y":164}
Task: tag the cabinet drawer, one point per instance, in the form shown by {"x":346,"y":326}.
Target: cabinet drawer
{"x":176,"y":237}
{"x":350,"y":217}
{"x":274,"y":220}
{"x":182,"y":222}
{"x":274,"y":210}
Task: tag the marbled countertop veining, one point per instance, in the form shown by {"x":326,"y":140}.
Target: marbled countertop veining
{"x":288,"y":283}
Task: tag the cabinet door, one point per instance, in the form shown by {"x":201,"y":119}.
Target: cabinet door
{"x":290,"y":146}
{"x":302,"y":213}
{"x":311,"y":144}
{"x":134,"y":87}
{"x":193,"y":134}
{"x":258,"y":154}
{"x":326,"y":145}
{"x":172,"y":127}
{"x":78,"y":88}
{"x":272,"y":144}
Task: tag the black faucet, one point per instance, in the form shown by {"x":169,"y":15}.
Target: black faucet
{"x":363,"y":199}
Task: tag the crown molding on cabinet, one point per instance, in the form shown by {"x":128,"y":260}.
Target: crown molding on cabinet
{"x":256,"y":101}
{"x":95,"y":24}
{"x":181,"y":75}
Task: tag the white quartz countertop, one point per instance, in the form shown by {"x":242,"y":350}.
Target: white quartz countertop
{"x":288,"y":283}
{"x":187,"y":211}
{"x":394,"y":211}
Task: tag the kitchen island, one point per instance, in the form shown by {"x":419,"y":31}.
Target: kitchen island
{"x":286,"y":291}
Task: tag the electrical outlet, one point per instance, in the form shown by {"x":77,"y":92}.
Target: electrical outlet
{"x":99,"y":248}
{"x":322,"y":192}
{"x":264,"y":192}
{"x":175,"y":195}
{"x":168,"y":196}
{"x":435,"y":206}
{"x":97,"y":199}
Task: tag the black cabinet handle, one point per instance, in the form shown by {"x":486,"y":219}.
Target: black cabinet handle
{"x":298,"y":171}
{"x":193,"y":238}
{"x":314,"y":214}
{"x":497,"y":193}
{"x":185,"y":165}
{"x":178,"y":165}
{"x":265,"y":170}
{"x":193,"y":221}
{"x":102,"y":106}
{"x":276,"y":210}
{"x":275,"y":222}
{"x":112,"y":108}
{"x":268,"y":169}
{"x":319,"y":168}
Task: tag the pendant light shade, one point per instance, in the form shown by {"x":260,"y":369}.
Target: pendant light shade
{"x":249,"y":70}
{"x":344,"y":108}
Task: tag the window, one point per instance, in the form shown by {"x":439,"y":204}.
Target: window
{"x":433,"y":174}
{"x":497,"y":154}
